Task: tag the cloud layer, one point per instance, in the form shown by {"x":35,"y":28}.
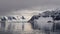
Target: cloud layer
{"x":8,"y":6}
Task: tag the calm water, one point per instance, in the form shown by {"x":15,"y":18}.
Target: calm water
{"x":30,"y":32}
{"x":16,"y":28}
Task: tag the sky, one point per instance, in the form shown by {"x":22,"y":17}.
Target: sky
{"x":26,"y":7}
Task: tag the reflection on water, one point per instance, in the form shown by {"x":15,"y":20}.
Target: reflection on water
{"x":30,"y":32}
{"x":16,"y":28}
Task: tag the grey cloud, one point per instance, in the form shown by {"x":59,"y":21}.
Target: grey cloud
{"x":7,"y":5}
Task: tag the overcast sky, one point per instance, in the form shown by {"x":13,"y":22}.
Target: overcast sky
{"x":27,"y":6}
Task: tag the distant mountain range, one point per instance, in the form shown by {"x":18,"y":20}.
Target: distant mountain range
{"x":55,"y":14}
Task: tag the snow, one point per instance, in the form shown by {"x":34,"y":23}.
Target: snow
{"x":43,"y":24}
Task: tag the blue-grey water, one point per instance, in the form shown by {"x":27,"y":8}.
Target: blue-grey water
{"x":17,"y":28}
{"x":29,"y":32}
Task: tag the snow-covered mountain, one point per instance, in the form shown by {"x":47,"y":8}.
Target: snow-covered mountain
{"x":54,"y":14}
{"x":12,"y":18}
{"x":45,"y":17}
{"x":14,"y":23}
